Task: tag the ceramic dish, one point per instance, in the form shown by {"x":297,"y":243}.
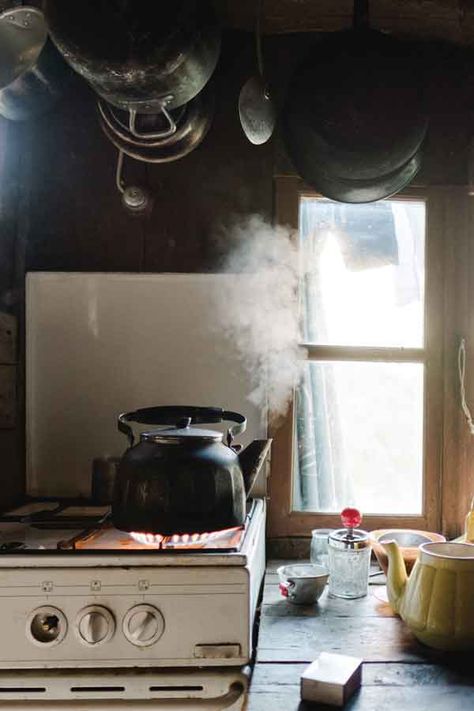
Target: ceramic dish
{"x":304,"y":583}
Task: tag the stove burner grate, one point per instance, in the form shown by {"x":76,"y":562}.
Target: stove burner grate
{"x":36,"y":528}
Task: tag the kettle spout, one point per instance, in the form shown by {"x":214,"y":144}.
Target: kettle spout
{"x":396,"y":575}
{"x":251,"y":460}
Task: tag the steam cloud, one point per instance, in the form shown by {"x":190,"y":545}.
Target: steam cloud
{"x":259,"y":311}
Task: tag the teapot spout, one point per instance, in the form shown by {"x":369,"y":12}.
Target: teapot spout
{"x":396,"y":575}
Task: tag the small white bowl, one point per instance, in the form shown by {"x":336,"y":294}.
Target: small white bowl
{"x":302,"y":583}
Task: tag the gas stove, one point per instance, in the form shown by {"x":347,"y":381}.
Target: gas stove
{"x":77,"y":594}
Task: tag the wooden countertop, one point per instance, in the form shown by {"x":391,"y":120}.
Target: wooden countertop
{"x":398,"y":672}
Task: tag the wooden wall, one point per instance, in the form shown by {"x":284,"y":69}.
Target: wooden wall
{"x":77,"y":218}
{"x":60,"y":210}
{"x":11,"y":439}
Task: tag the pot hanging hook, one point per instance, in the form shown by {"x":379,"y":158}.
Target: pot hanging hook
{"x":134,"y":198}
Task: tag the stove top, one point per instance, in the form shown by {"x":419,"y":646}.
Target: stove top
{"x":58,"y":527}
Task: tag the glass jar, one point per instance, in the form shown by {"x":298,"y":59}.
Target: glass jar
{"x":349,"y":558}
{"x":319,"y":546}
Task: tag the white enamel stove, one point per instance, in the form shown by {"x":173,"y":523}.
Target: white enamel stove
{"x":94,"y":611}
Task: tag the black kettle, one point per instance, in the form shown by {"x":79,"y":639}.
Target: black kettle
{"x":179,"y":479}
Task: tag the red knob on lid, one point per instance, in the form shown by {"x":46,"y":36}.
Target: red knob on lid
{"x":351,"y":518}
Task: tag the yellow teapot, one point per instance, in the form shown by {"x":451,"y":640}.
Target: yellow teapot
{"x":437,"y":600}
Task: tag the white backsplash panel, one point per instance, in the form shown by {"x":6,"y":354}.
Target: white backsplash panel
{"x":101,"y":344}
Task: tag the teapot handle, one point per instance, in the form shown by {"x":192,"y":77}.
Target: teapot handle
{"x":171,"y":414}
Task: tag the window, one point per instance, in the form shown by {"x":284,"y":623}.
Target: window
{"x":363,"y":428}
{"x":359,"y":414}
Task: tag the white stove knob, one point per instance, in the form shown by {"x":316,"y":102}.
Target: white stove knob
{"x":96,"y":625}
{"x":143,"y":625}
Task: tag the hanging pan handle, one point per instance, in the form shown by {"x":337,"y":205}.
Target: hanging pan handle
{"x":171,"y":414}
{"x":360,"y":17}
{"x":166,"y":133}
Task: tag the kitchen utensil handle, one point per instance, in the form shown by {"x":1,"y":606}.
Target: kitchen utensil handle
{"x":360,"y":18}
{"x":166,"y":133}
{"x":258,"y":37}
{"x":171,"y":414}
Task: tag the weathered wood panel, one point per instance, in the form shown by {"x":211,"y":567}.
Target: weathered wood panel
{"x":418,"y":686}
{"x":302,"y":639}
{"x":374,"y":605}
{"x":458,"y":453}
{"x":398,"y":673}
{"x":11,"y":189}
{"x":364,"y":627}
{"x":447,"y":19}
{"x":268,"y":677}
{"x":77,"y":220}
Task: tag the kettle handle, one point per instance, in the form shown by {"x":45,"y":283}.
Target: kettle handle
{"x":171,"y":414}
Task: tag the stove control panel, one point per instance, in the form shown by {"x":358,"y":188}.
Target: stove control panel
{"x":95,"y":625}
{"x":169,"y":616}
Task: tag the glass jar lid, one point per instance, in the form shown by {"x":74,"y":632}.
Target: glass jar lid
{"x":346,"y":538}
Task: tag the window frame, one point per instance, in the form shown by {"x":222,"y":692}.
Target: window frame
{"x":283,"y":521}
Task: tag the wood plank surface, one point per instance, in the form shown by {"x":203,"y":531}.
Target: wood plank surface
{"x":374,"y":605}
{"x":365,"y":627}
{"x":302,"y":639}
{"x":398,"y":672}
{"x":418,"y":686}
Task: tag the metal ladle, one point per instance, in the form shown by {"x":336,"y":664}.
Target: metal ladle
{"x":256,"y":108}
{"x":134,"y":198}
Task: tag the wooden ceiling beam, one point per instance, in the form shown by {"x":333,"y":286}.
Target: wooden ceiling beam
{"x":451,"y":20}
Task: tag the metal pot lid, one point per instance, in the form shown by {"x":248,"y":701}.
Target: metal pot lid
{"x":183,"y":433}
{"x":344,"y":538}
{"x":23,"y":34}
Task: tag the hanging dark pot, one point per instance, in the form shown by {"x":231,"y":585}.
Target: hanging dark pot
{"x":354,"y":114}
{"x":368,"y":190}
{"x":179,"y":479}
{"x":138,"y":56}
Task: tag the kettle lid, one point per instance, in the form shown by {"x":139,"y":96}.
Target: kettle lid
{"x":182,"y":433}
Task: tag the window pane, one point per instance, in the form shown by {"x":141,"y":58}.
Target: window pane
{"x":363,"y":283}
{"x":359,"y":431}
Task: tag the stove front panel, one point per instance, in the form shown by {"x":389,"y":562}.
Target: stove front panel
{"x":119,"y":616}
